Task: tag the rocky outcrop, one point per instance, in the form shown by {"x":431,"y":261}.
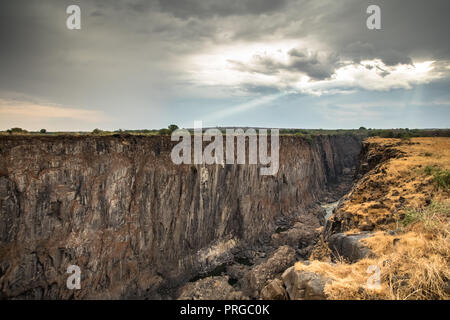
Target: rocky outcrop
{"x":136,"y":224}
{"x":372,"y":154}
{"x":370,"y":187}
{"x":304,"y":285}
{"x":302,"y":236}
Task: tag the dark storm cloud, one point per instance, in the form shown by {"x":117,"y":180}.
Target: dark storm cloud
{"x":202,"y":8}
{"x":414,"y":28}
{"x":410,"y":29}
{"x":28,"y":38}
{"x":358,"y":51}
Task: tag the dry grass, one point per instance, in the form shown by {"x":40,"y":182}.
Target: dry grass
{"x":415,"y":259}
{"x":415,"y":267}
{"x":382,"y":196}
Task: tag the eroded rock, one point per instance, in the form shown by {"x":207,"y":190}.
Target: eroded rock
{"x":274,"y":290}
{"x":349,"y":246}
{"x":132,"y":220}
{"x":211,"y":288}
{"x":301,"y":236}
{"x":277,"y":263}
{"x":304,"y":285}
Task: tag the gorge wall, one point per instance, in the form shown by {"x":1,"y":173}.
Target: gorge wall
{"x":117,"y":207}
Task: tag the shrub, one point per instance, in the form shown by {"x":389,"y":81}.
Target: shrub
{"x":17,"y":130}
{"x":430,"y":216}
{"x":440,"y":176}
{"x":308,"y":138}
{"x":164,"y":131}
{"x":387,"y":134}
{"x":172,"y":128}
{"x":429,"y":170}
{"x":96,"y":131}
{"x":403,"y":135}
{"x":43,"y":131}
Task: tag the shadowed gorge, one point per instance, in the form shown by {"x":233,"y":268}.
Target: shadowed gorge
{"x":139,"y":226}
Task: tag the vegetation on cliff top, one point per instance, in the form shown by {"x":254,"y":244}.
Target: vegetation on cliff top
{"x":308,"y":134}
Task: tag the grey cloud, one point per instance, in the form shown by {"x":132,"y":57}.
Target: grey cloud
{"x":359,"y":51}
{"x":202,"y":8}
{"x":410,"y":29}
{"x":383,"y":72}
{"x":96,"y":13}
{"x":259,"y":89}
{"x":317,"y":66}
{"x":392,"y":58}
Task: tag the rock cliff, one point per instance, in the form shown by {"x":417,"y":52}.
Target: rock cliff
{"x":135,"y":223}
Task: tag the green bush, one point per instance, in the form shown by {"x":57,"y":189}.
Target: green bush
{"x":43,"y":131}
{"x":387,"y":134}
{"x":429,"y":170}
{"x":164,"y":131}
{"x":430,"y":216}
{"x":17,"y":130}
{"x":440,"y":176}
{"x":412,"y":216}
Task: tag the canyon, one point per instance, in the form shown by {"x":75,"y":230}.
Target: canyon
{"x":139,"y":226}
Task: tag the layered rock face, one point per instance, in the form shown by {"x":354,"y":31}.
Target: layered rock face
{"x":134,"y":222}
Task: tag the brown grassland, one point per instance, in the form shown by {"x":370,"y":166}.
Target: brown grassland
{"x":405,"y":202}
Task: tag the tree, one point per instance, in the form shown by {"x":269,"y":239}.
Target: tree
{"x":172,"y":128}
{"x":43,"y":131}
{"x":17,"y":130}
{"x":96,"y":131}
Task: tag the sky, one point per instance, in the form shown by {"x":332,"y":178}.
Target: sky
{"x":138,"y":64}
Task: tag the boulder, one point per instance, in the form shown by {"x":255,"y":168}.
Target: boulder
{"x":349,"y":246}
{"x":299,"y":236}
{"x":274,"y":290}
{"x":237,"y":271}
{"x":258,"y":276}
{"x":304,"y":285}
{"x":304,"y":234}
